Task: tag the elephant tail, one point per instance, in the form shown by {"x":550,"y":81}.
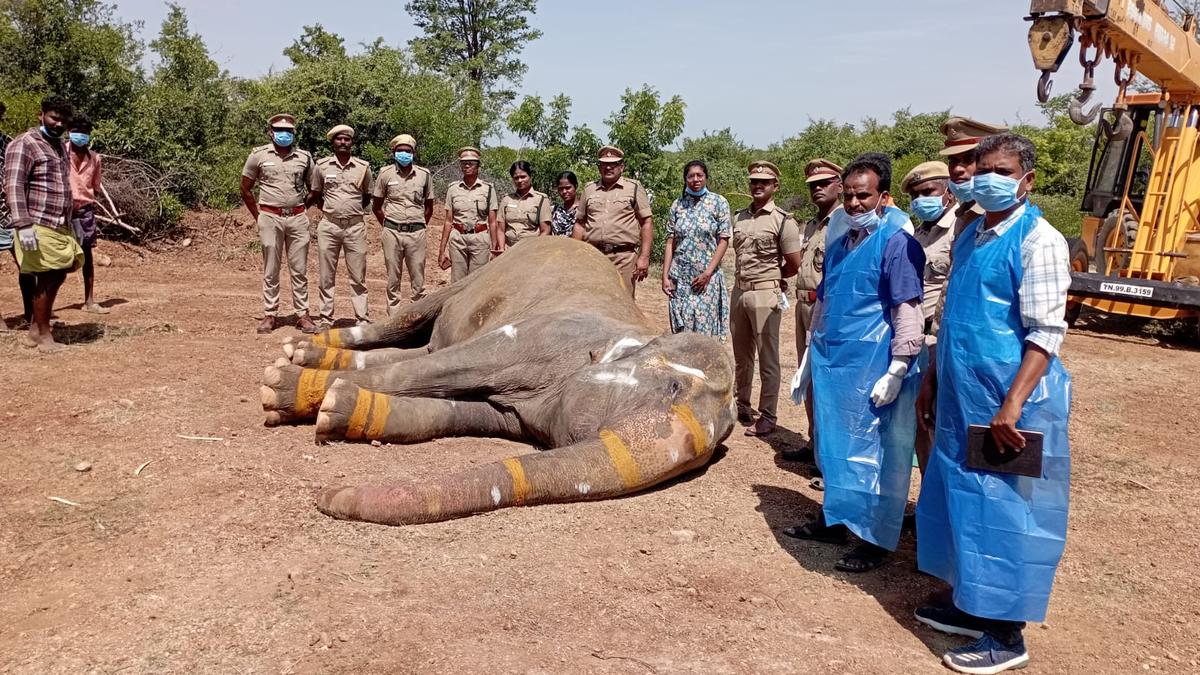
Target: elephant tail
{"x":614,"y":464}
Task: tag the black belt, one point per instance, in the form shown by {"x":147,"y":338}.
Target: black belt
{"x":609,"y":249}
{"x":403,"y":227}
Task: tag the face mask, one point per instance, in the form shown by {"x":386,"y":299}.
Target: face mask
{"x":80,"y":140}
{"x":283,"y":139}
{"x":994,"y":192}
{"x":696,"y":193}
{"x":963,"y":191}
{"x":863,"y":220}
{"x":928,"y":209}
{"x":403,"y":158}
{"x":51,"y":134}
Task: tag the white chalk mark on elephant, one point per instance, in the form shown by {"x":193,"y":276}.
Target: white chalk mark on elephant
{"x":618,"y":350}
{"x":509,"y":330}
{"x":360,"y":360}
{"x":583,"y":488}
{"x":626,"y":379}
{"x":694,"y":372}
{"x":356,"y":333}
{"x":495,"y":495}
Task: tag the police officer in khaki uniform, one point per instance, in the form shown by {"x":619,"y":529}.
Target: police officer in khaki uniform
{"x":341,"y":185}
{"x":932,"y":205}
{"x":471,"y":215}
{"x":824,"y":179}
{"x":282,"y":173}
{"x":614,"y":216}
{"x":524,"y":212}
{"x":404,"y":206}
{"x":766,"y":241}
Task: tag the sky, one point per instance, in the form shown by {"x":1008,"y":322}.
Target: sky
{"x":763,"y":68}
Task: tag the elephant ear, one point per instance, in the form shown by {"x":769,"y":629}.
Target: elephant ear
{"x":617,"y":350}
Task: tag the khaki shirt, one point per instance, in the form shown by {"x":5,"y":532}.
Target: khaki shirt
{"x":469,"y":206}
{"x":282,"y":179}
{"x":611,"y":215}
{"x":404,"y":197}
{"x":761,"y":239}
{"x":935,"y":239}
{"x":523,"y":216}
{"x":812,"y":263}
{"x":963,"y":215}
{"x":342,"y":187}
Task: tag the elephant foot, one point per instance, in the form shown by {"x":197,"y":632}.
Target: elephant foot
{"x":339,"y":502}
{"x":349,"y":412}
{"x":290,"y":393}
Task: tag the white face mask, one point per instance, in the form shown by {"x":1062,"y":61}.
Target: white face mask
{"x":863,"y":220}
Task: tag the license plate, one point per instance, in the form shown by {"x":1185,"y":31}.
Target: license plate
{"x":1127,"y":289}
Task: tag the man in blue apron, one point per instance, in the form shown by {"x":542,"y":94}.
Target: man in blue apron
{"x":995,"y":537}
{"x":867,"y":337}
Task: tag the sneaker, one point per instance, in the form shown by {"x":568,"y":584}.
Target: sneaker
{"x":949,"y":620}
{"x":987,"y":655}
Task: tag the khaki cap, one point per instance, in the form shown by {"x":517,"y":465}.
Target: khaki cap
{"x":611,"y":153}
{"x":821,"y":169}
{"x":402,"y":139}
{"x":925,"y":171}
{"x":763,"y":169}
{"x":468,"y":154}
{"x":282,"y":121}
{"x":340,"y":129}
{"x":963,"y":134}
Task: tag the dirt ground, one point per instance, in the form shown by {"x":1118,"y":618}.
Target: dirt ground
{"x":214,"y":559}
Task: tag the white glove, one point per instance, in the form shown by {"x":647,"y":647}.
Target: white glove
{"x":887,"y":388}
{"x":28,"y":238}
{"x":802,"y":379}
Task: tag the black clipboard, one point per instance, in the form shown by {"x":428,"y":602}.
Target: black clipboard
{"x":984,"y":455}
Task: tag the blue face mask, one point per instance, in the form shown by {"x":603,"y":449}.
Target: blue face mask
{"x":963,"y":191}
{"x":696,"y":193}
{"x":80,"y":140}
{"x":927,"y":209}
{"x":403,"y":158}
{"x":51,"y":134}
{"x":994,"y":192}
{"x":863,"y":220}
{"x":283,"y":139}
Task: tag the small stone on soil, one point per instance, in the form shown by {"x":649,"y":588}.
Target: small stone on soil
{"x":83,"y":466}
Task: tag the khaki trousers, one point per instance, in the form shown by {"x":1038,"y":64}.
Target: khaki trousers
{"x":626,"y":264}
{"x":468,"y":252}
{"x":804,"y":312}
{"x":280,"y":234}
{"x":754,"y":321}
{"x":400,"y":250}
{"x":333,"y":236}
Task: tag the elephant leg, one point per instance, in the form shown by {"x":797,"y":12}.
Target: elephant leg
{"x":305,"y":354}
{"x":350,"y":412}
{"x":408,"y":328}
{"x":619,"y":462}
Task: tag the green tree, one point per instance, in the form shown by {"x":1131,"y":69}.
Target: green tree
{"x":726,"y":158}
{"x":476,"y":42}
{"x":77,"y":49}
{"x":315,"y":44}
{"x":553,"y":146}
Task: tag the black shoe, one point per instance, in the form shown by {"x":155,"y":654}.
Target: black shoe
{"x":950,"y":620}
{"x":804,"y":454}
{"x":745,"y":418}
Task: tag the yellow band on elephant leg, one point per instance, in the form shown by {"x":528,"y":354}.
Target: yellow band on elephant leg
{"x":380,"y":409}
{"x":621,"y":459}
{"x":357,"y":426}
{"x":520,"y":484}
{"x":328,"y":358}
{"x":310,"y":390}
{"x":345,"y":356}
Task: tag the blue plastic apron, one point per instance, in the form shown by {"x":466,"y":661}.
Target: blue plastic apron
{"x":865,"y":453}
{"x":995,"y":538}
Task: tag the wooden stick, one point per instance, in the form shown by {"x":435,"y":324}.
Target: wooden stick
{"x":118,"y":223}
{"x":115,"y":212}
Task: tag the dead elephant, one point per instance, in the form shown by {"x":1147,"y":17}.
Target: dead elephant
{"x":542,"y":345}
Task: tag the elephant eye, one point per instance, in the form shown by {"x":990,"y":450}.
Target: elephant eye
{"x":674,"y":387}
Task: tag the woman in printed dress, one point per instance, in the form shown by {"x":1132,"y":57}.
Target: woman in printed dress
{"x":698,"y":233}
{"x":562,"y":220}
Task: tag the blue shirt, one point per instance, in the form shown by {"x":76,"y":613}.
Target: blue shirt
{"x":902,"y":278}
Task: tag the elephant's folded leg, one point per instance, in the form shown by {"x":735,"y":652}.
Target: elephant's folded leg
{"x":408,"y":328}
{"x":613,"y":465}
{"x":350,"y":412}
{"x":294,"y":394}
{"x":332,"y":358}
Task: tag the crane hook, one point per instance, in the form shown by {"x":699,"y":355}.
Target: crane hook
{"x":1075,"y":109}
{"x":1118,"y":130}
{"x":1044,"y":86}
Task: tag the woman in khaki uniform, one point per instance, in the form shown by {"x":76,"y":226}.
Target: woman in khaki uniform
{"x":470,"y":220}
{"x":524,"y":212}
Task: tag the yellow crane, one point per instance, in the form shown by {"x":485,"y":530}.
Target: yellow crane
{"x":1140,"y":248}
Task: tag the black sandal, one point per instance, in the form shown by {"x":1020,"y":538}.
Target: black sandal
{"x":863,"y":558}
{"x":818,"y":531}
